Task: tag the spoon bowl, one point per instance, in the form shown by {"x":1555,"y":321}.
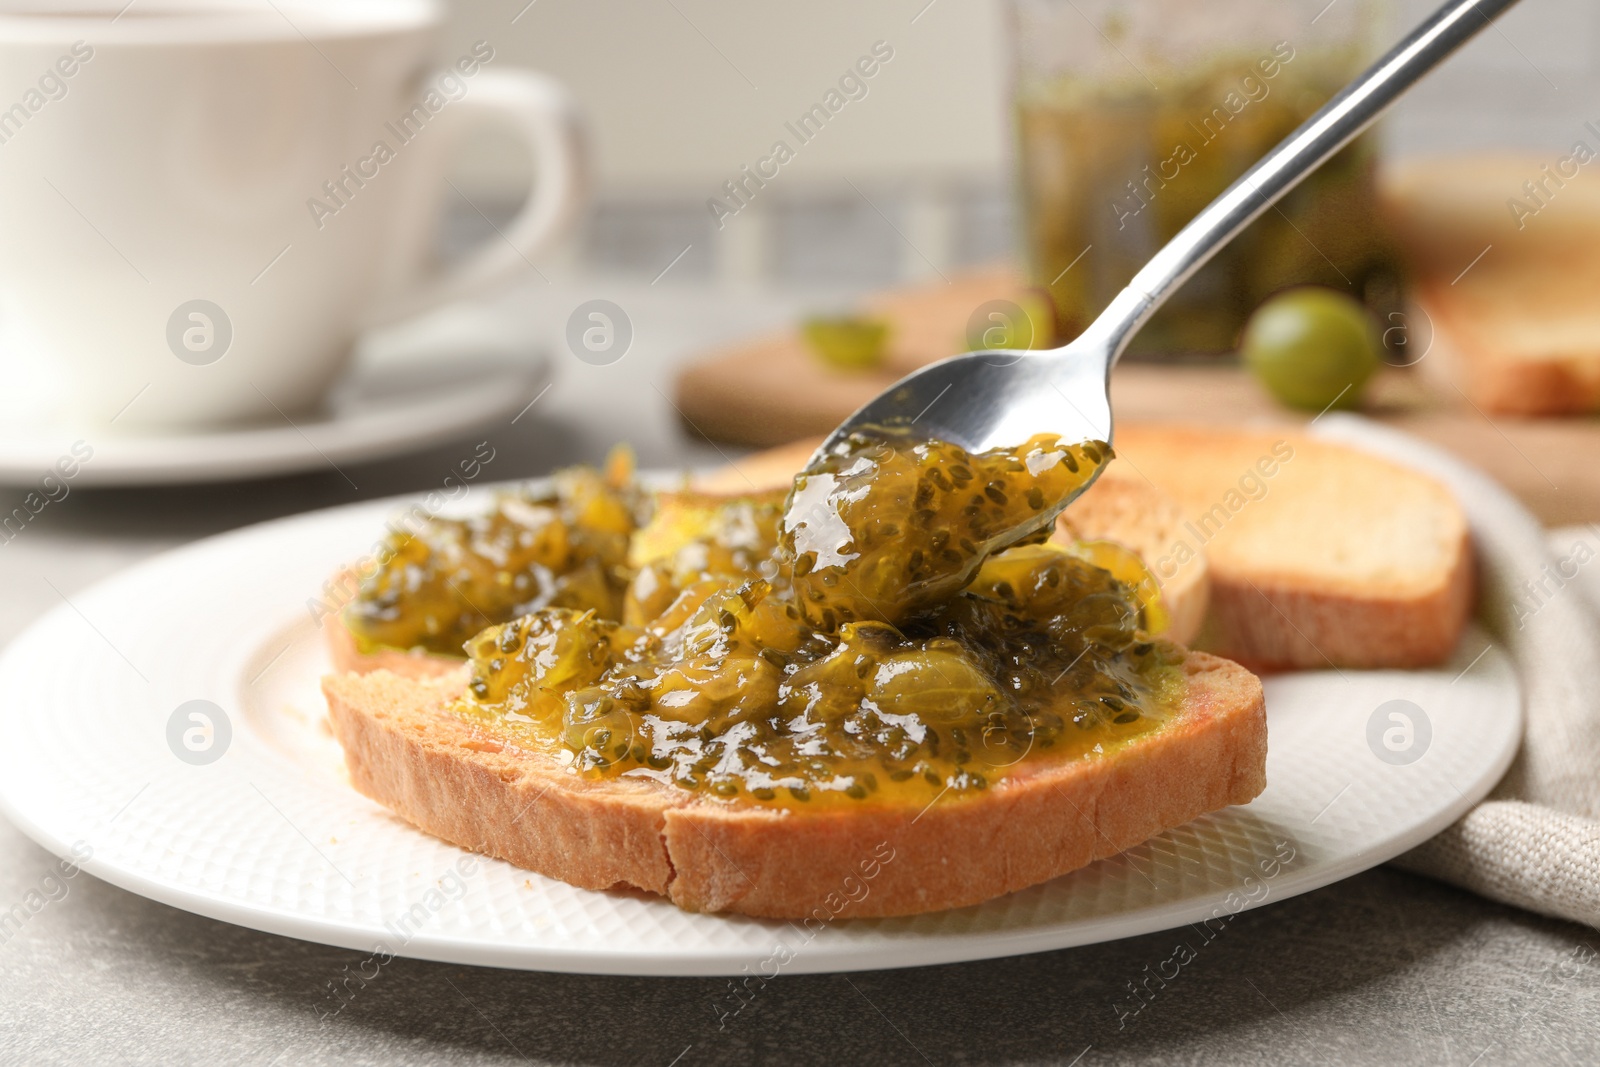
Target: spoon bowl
{"x":987,"y":399}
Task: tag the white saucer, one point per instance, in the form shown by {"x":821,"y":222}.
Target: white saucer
{"x":395,"y":400}
{"x":272,"y":836}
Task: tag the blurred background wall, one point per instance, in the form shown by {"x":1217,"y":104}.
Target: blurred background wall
{"x":914,"y":176}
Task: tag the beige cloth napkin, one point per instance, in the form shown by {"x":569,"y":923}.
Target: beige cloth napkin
{"x":1535,"y":842}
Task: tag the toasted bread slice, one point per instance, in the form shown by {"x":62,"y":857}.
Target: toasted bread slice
{"x":1504,"y":276}
{"x":1120,"y":507}
{"x":451,"y":778}
{"x":1319,"y":554}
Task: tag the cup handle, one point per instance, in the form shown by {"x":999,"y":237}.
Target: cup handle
{"x":540,"y":109}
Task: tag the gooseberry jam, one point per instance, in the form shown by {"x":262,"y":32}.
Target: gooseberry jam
{"x":899,"y":633}
{"x":884,"y":525}
{"x":443,"y":582}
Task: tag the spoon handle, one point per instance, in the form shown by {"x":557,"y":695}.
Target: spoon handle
{"x":1355,"y":108}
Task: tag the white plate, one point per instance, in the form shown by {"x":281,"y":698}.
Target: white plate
{"x":270,"y":835}
{"x":425,"y":384}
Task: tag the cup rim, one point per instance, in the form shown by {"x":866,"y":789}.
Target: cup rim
{"x":102,"y":22}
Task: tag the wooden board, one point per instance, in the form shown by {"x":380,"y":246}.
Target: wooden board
{"x":772,"y":390}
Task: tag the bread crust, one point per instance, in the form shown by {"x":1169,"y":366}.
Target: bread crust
{"x":1531,"y":382}
{"x":1271,"y":625}
{"x":461,"y":783}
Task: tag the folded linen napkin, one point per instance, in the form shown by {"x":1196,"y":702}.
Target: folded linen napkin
{"x":1535,"y":841}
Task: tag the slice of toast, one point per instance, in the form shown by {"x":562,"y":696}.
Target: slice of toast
{"x":1505,"y":262}
{"x":1319,"y":554}
{"x":458,"y":781}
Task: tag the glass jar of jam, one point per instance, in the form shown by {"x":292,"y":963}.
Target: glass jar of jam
{"x":1132,"y":115}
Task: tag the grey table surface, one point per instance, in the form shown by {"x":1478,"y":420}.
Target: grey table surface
{"x":1383,"y":967}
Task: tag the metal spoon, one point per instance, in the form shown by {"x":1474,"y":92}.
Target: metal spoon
{"x":999,"y":397}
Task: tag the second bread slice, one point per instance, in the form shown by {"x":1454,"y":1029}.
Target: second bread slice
{"x":1320,"y":555}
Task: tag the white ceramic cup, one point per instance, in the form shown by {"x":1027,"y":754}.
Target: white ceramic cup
{"x":206,"y":202}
